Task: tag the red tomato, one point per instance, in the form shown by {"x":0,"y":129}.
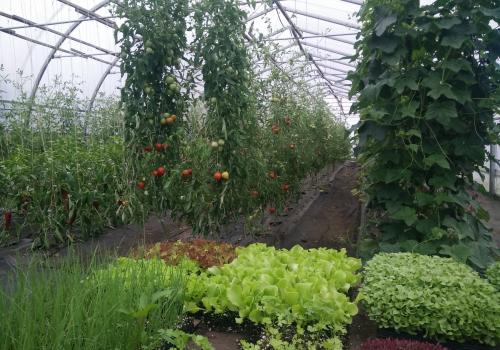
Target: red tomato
{"x":275,"y":129}
{"x":285,"y":187}
{"x":161,"y":171}
{"x":254,"y":194}
{"x":7,"y":220}
{"x":271,"y":210}
{"x":155,"y":172}
{"x":159,"y":147}
{"x":186,"y":173}
{"x":148,"y":149}
{"x":140,"y":185}
{"x":217,"y":176}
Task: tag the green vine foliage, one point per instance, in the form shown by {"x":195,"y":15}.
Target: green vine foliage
{"x":260,"y":137}
{"x":224,"y":59}
{"x":153,"y":43}
{"x":428,"y":84}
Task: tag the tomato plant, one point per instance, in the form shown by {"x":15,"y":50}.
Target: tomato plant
{"x":191,"y":106}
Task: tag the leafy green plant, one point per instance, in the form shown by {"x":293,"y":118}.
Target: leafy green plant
{"x":206,"y":253}
{"x":428,"y":83}
{"x":439,"y":297}
{"x":493,"y":274}
{"x":179,"y":339}
{"x":303,"y":288}
{"x":274,"y":339}
{"x":76,"y":305}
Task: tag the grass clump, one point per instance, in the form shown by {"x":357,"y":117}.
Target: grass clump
{"x":76,"y":305}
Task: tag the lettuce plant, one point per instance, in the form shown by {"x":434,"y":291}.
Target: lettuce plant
{"x":439,"y":297}
{"x":306,"y":288}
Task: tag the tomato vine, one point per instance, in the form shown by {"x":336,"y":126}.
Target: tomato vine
{"x":153,"y":43}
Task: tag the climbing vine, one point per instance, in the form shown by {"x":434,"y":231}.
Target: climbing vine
{"x":203,"y":146}
{"x":232,"y":121}
{"x":428,"y":82}
{"x":153,"y":43}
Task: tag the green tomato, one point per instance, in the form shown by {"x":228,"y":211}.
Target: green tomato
{"x":149,"y":51}
{"x":220,"y":142}
{"x":172,"y":86}
{"x":170,"y":80}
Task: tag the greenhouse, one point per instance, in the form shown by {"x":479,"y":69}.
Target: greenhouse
{"x":250,"y":174}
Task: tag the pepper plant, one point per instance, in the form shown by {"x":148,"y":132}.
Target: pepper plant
{"x":428,"y":84}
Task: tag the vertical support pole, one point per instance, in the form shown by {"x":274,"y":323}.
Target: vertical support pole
{"x":492,"y":170}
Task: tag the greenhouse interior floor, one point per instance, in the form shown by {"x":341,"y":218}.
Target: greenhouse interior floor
{"x":326,"y":215}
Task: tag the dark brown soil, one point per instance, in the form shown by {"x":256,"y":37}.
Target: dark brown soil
{"x":332,"y":220}
{"x":119,"y":241}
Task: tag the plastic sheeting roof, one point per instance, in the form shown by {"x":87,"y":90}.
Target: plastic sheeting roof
{"x":31,"y":30}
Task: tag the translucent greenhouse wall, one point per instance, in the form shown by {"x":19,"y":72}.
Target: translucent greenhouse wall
{"x":328,"y":29}
{"x":485,"y":181}
{"x":23,"y":59}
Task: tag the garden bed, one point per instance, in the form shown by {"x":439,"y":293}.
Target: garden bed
{"x":267,"y":228}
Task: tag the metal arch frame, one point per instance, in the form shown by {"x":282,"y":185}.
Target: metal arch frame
{"x":49,"y":58}
{"x":326,"y":36}
{"x":32,"y":24}
{"x":335,"y":60}
{"x":341,"y":53}
{"x":323,"y":18}
{"x":297,"y":34}
{"x":101,"y":81}
{"x":91,"y":13}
